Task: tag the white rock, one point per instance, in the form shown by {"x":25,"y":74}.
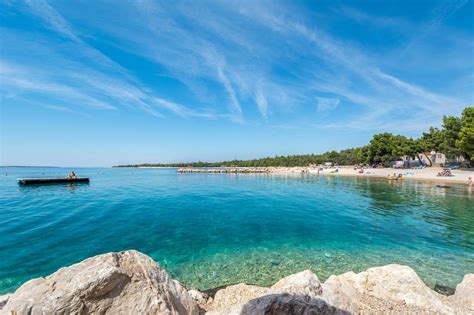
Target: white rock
{"x":341,"y":291}
{"x":236,"y":294}
{"x":464,"y":294}
{"x":297,"y":289}
{"x":132,"y":283}
{"x":116,"y":283}
{"x":388,"y":288}
{"x":3,"y":300}
{"x":303,"y":283}
{"x":280,"y":304}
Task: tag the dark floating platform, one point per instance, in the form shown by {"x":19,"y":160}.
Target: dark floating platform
{"x":47,"y":181}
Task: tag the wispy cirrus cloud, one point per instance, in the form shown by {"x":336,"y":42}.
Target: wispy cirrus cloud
{"x":441,"y":12}
{"x":368,"y":84}
{"x":243,"y":61}
{"x":261,"y":100}
{"x":327,"y":104}
{"x":70,"y":80}
{"x":53,"y":19}
{"x":235,"y":105}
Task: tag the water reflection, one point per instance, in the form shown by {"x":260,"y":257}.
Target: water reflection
{"x":53,"y":188}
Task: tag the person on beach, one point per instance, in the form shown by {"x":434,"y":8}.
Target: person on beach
{"x":72,"y":175}
{"x":469,"y":181}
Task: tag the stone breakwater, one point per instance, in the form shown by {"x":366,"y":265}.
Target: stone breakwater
{"x":226,"y":170}
{"x":246,"y":170}
{"x":132,"y":283}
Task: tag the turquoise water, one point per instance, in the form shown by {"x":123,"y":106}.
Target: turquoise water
{"x":210,"y":230}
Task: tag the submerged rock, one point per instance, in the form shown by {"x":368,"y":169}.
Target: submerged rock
{"x":444,"y":289}
{"x":116,"y":283}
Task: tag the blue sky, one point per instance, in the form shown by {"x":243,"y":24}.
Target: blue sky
{"x":99,"y":83}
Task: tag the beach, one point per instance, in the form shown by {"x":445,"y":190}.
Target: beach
{"x":430,"y":174}
{"x":459,"y":176}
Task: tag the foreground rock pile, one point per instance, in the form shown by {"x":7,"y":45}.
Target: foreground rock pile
{"x":132,"y":283}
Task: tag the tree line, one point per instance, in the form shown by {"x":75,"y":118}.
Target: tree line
{"x":455,"y":138}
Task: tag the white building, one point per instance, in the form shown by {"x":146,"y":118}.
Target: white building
{"x":439,"y":159}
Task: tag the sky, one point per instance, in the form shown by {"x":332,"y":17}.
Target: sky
{"x":101,"y":83}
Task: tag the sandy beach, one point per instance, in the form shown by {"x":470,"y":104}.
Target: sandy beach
{"x":426,"y":174}
{"x":459,"y":176}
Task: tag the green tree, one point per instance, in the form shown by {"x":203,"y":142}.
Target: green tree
{"x":465,"y":142}
{"x":380,"y":149}
{"x":431,"y":141}
{"x":450,"y":134}
{"x":455,"y":138}
{"x":363,"y":155}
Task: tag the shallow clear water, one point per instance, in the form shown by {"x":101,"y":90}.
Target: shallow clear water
{"x":210,"y":230}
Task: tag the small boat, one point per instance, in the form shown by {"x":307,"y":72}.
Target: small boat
{"x":47,"y":181}
{"x":394,"y":177}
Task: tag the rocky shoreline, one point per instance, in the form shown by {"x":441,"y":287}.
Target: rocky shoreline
{"x":132,"y":283}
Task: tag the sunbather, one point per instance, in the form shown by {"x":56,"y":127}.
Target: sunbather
{"x":445,"y":172}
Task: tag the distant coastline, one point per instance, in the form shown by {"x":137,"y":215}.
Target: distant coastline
{"x":460,"y":176}
{"x":25,"y":166}
{"x":452,"y":142}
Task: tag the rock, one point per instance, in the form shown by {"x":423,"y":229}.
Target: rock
{"x":304,"y":283}
{"x":390,"y":288}
{"x":281,"y":304}
{"x":464,"y":294}
{"x":116,"y":283}
{"x":201,"y":299}
{"x":4,"y":300}
{"x":132,"y":283}
{"x":236,"y":294}
{"x":341,"y":291}
{"x":442,"y":289}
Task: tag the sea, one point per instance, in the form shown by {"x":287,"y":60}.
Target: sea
{"x":211,"y":230}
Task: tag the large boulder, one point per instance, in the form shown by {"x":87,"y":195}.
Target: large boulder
{"x":281,"y":304}
{"x":393,"y":288}
{"x":132,"y":283}
{"x":341,"y":291}
{"x":304,"y":283}
{"x":464,"y":294}
{"x":4,"y":300}
{"x":116,"y":283}
{"x":294,"y":294}
{"x":236,"y":294}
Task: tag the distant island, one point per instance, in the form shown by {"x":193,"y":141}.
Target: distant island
{"x":455,"y":140}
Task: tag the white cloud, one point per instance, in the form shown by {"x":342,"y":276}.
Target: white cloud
{"x":235,"y":108}
{"x":261,"y":100}
{"x":327,"y":104}
{"x":79,"y":83}
{"x":53,"y":18}
{"x":232,"y":55}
